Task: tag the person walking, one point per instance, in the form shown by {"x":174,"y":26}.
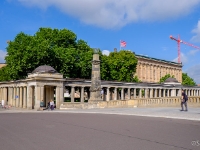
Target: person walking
{"x":184,"y":101}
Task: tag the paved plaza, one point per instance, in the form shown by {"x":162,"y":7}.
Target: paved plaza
{"x":100,"y":129}
{"x":165,"y":112}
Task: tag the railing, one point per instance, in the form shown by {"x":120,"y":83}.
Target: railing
{"x":167,"y":101}
{"x":137,"y":102}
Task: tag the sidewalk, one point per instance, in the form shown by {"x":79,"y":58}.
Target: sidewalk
{"x":169,"y":112}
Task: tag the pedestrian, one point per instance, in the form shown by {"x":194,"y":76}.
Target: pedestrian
{"x":51,"y":105}
{"x":184,"y":101}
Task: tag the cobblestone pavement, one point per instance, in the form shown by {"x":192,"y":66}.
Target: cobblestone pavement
{"x":169,"y":112}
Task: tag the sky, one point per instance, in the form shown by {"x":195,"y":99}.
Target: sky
{"x":145,"y":25}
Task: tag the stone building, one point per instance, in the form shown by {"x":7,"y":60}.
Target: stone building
{"x":152,"y":69}
{"x":2,"y":65}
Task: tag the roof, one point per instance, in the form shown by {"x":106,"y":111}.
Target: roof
{"x":44,"y":69}
{"x":161,"y":60}
{"x":171,"y":80}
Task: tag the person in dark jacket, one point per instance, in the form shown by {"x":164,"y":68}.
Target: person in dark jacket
{"x":183,"y":101}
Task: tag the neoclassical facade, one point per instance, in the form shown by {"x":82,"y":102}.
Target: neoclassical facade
{"x":152,"y":69}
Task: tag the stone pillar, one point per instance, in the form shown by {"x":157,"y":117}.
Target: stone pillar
{"x":134,"y":91}
{"x":108,"y":94}
{"x":6,"y":95}
{"x":115,"y":93}
{"x":38,"y":97}
{"x":72,"y":94}
{"x":156,"y":94}
{"x":140,"y":93}
{"x":59,"y":96}
{"x":129,"y":93}
{"x":95,"y":89}
{"x":145,"y":93}
{"x":29,"y":97}
{"x":151,"y":93}
{"x":14,"y":97}
{"x":24,"y":97}
{"x":82,"y":94}
{"x":168,"y":92}
{"x":9,"y":95}
{"x":42,"y":94}
{"x":20,"y":97}
{"x":164,"y":91}
{"x":17,"y":97}
{"x":122,"y":94}
{"x":160,"y":91}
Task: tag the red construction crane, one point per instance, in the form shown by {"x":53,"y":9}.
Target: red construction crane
{"x":179,"y":41}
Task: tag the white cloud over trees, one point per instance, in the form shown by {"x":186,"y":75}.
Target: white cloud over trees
{"x":118,"y":13}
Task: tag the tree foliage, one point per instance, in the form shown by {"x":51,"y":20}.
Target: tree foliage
{"x":57,"y":48}
{"x":119,"y":66}
{"x":69,"y":56}
{"x":165,"y":78}
{"x":186,"y":80}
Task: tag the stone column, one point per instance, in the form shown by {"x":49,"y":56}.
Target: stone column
{"x":145,"y":92}
{"x":168,"y":92}
{"x":59,"y":91}
{"x":72,"y":94}
{"x":108,"y":94}
{"x":24,"y":97}
{"x":156,"y":93}
{"x":160,"y":91}
{"x":29,"y":97}
{"x":37,"y":97}
{"x":140,"y":93}
{"x":129,"y":93}
{"x":17,"y":97}
{"x":95,"y":89}
{"x":14,"y":97}
{"x":20,"y":97}
{"x":134,"y":91}
{"x":122,"y":94}
{"x":6,"y":95}
{"x":42,"y":93}
{"x":151,"y":93}
{"x":115,"y":93}
{"x":82,"y":94}
{"x":9,"y":95}
{"x":164,"y":91}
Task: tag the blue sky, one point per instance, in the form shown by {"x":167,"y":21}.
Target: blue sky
{"x":145,"y":25}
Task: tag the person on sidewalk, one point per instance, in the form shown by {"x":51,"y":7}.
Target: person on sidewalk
{"x":183,"y":101}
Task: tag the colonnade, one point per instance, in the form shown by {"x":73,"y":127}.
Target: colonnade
{"x":124,"y":93}
{"x":30,"y":97}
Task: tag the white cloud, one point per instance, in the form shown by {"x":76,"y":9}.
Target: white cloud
{"x":106,"y":52}
{"x":184,"y":58}
{"x":196,"y":31}
{"x":193,"y":52}
{"x":118,"y":13}
{"x":194,"y":73}
{"x":2,"y":56}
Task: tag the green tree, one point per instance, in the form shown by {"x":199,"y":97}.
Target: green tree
{"x":186,"y":80}
{"x":57,"y":48}
{"x":165,"y":77}
{"x":120,"y":66}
